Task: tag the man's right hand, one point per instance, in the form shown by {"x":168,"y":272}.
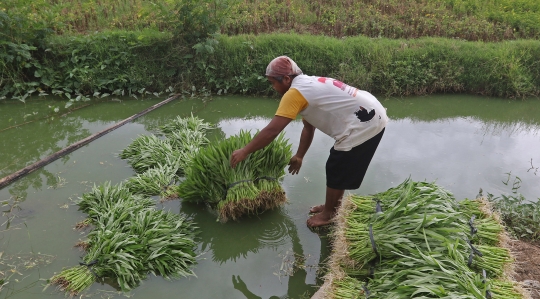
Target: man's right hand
{"x":294,"y":165}
{"x":238,"y":156}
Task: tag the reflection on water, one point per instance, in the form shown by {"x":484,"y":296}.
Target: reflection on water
{"x":509,"y":129}
{"x":484,"y":109}
{"x":44,"y":133}
{"x":234,"y":240}
{"x":462,"y":142}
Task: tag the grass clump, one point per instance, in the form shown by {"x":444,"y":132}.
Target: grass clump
{"x":252,"y":186}
{"x":521,"y":217}
{"x":416,"y":241}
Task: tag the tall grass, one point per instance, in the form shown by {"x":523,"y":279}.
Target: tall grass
{"x":487,"y":20}
{"x":70,"y":16}
{"x":471,"y":20}
{"x":385,"y":66}
{"x":137,"y":62}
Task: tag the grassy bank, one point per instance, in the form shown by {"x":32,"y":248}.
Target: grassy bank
{"x":386,"y":66}
{"x":487,"y":20}
{"x":136,"y":63}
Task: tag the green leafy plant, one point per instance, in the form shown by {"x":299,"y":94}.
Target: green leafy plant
{"x":130,"y":239}
{"x":147,"y":152}
{"x":235,"y":192}
{"x":415,"y":240}
{"x":154,"y":181}
{"x":521,"y":217}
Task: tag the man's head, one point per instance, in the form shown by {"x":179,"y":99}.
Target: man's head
{"x":280,"y":73}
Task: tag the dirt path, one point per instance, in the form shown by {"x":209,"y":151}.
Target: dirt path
{"x":528,"y":266}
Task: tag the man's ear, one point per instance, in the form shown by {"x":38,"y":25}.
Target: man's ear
{"x":287,"y":80}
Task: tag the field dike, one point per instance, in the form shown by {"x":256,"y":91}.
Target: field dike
{"x":433,"y":260}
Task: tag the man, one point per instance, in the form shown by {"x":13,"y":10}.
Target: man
{"x":354,"y":118}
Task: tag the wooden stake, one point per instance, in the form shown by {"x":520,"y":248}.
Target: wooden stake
{"x":30,"y":168}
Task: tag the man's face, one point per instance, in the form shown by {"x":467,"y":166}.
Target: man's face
{"x":280,"y":86}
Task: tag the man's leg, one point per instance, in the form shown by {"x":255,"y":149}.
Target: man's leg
{"x":333,"y":199}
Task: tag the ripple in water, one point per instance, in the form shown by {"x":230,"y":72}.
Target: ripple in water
{"x":274,"y":236}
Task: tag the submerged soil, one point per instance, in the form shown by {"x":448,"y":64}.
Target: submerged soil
{"x":527,"y":265}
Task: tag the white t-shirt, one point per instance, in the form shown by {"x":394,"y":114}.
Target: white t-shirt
{"x":347,"y":114}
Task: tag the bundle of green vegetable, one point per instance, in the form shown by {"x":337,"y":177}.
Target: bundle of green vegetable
{"x":422,"y":275}
{"x":186,"y":135}
{"x":182,"y":139}
{"x":235,"y":191}
{"x":147,"y":152}
{"x":154,"y":181}
{"x":272,"y":161}
{"x":417,"y":241}
{"x":159,"y":161}
{"x":181,"y":124}
{"x":130,"y":240}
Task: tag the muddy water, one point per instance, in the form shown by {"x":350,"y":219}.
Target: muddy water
{"x":463,"y":142}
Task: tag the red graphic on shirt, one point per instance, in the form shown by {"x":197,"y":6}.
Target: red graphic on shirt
{"x":339,"y":84}
{"x":352,"y":91}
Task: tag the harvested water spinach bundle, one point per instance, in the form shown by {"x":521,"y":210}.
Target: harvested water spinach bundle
{"x":183,"y":124}
{"x":160,"y":161}
{"x":187,"y":135}
{"x":252,"y":186}
{"x":182,"y":138}
{"x":147,"y":152}
{"x":416,"y":241}
{"x":130,"y":239}
{"x":154,"y":181}
{"x":271,"y":161}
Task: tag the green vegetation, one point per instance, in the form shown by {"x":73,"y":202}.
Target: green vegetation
{"x":135,"y":47}
{"x":414,"y":241}
{"x":130,"y":239}
{"x":153,"y":181}
{"x":520,"y":216}
{"x":251,"y":187}
{"x":160,"y":161}
{"x":147,"y":152}
{"x":383,"y":66}
{"x":472,"y":19}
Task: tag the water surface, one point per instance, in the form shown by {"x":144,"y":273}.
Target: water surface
{"x":462,"y":142}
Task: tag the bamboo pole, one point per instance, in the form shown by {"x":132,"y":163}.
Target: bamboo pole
{"x":30,"y":168}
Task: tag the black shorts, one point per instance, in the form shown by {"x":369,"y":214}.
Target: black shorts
{"x":346,"y":170}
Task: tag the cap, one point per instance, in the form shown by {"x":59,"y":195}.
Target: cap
{"x":282,"y":66}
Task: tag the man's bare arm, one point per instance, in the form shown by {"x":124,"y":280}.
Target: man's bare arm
{"x":305,"y":141}
{"x":265,"y":136}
